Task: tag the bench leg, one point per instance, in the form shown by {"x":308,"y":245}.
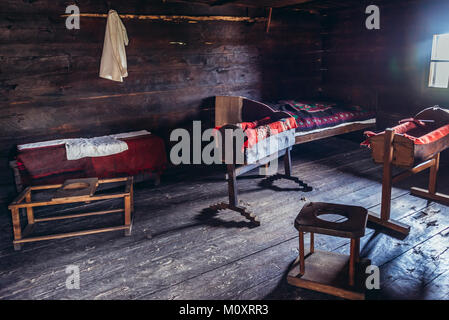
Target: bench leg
{"x":17,"y":229}
{"x":128,"y":215}
{"x":30,"y":213}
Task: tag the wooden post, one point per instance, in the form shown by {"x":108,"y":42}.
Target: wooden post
{"x":288,"y":163}
{"x":16,"y":227}
{"x":353,"y":259}
{"x":433,"y":174}
{"x":132,"y":197}
{"x":17,"y":178}
{"x":387,"y":175}
{"x":387,"y":184}
{"x":302,"y":267}
{"x":232,"y":186}
{"x":128,"y":215}
{"x":30,"y":213}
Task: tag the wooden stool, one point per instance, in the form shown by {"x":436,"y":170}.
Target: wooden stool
{"x":330,"y":272}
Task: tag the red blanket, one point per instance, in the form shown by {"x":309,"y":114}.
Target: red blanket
{"x":145,"y":153}
{"x":259,"y":130}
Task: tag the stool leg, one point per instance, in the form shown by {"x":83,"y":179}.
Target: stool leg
{"x":312,"y":242}
{"x":302,"y":267}
{"x":353,"y":259}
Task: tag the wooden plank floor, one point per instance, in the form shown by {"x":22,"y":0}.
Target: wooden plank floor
{"x":177,"y":251}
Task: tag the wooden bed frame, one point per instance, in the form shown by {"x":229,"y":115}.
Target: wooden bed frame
{"x":155,"y":177}
{"x":236,"y":109}
{"x":232,"y":110}
{"x":228,"y":110}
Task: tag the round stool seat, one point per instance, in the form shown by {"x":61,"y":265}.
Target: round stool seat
{"x":308,"y":220}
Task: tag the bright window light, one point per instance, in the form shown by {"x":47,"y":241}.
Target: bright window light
{"x":439,"y":65}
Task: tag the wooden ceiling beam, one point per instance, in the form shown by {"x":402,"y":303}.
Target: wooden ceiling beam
{"x":247,"y":3}
{"x":222,"y":2}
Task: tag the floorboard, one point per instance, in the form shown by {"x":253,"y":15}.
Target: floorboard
{"x":179,"y":251}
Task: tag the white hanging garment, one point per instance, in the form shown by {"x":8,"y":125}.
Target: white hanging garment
{"x":113,"y":60}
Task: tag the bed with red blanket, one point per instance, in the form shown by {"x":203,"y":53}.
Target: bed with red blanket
{"x":46,"y":162}
{"x":324,"y":116}
{"x":314,"y":119}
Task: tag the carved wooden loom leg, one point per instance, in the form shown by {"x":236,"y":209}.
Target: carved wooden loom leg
{"x":432,"y":193}
{"x":288,"y":162}
{"x":384,"y":219}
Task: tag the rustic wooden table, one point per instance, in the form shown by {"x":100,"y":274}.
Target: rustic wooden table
{"x":24,"y":201}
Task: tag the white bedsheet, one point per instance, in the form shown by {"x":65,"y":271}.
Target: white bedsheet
{"x":63,"y":141}
{"x":94,"y":147}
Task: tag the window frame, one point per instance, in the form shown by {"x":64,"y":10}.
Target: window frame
{"x":434,"y":62}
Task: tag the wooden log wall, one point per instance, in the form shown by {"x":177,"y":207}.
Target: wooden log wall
{"x":387,"y":69}
{"x":49,"y":84}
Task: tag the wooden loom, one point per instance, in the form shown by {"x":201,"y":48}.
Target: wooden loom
{"x":392,"y":149}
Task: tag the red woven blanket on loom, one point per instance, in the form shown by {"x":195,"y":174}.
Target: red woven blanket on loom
{"x":145,"y":154}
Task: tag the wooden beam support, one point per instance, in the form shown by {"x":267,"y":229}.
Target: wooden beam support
{"x":391,"y":224}
{"x":78,"y":215}
{"x":246,"y":168}
{"x":426,"y":194}
{"x":173,"y":18}
{"x":70,"y":234}
{"x":420,"y":167}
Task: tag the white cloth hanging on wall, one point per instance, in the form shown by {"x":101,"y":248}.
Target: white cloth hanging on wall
{"x":113,"y":64}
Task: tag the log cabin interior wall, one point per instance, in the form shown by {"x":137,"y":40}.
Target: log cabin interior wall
{"x":386,"y":68}
{"x":49,"y":84}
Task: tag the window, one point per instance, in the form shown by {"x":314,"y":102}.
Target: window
{"x":439,"y":65}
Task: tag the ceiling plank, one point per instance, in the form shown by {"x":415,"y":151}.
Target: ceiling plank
{"x":248,"y":3}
